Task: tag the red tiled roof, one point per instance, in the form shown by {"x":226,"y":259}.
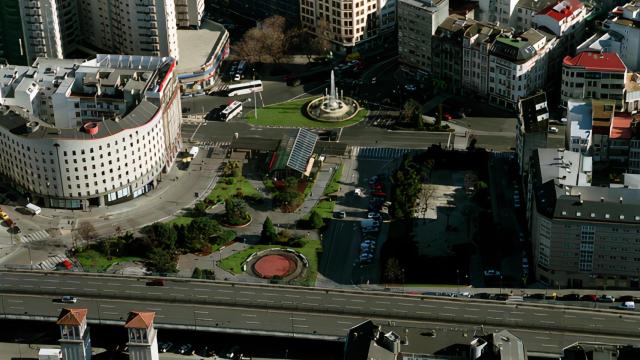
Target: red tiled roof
{"x":74,"y":317}
{"x":594,"y":60}
{"x":562,"y":10}
{"x":621,"y":126}
{"x":139,"y":320}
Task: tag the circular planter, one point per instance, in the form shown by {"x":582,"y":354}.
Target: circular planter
{"x":239,"y":226}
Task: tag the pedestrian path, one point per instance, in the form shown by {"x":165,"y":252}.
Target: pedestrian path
{"x":379,"y":153}
{"x":36,"y":236}
{"x":51,"y":262}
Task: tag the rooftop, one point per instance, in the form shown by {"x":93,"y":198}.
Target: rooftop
{"x":534,"y":113}
{"x":535,"y":5}
{"x":579,"y":116}
{"x":424,"y":4}
{"x":73,"y":317}
{"x":621,"y":126}
{"x":596,"y":61}
{"x":562,"y":10}
{"x":198,"y":46}
{"x":139,"y":320}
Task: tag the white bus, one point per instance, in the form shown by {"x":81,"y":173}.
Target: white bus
{"x":231,"y":110}
{"x":244,"y":88}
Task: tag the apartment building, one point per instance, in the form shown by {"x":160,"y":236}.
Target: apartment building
{"x":496,"y":11}
{"x":477,"y":42}
{"x":531,"y":128}
{"x":262,"y":9}
{"x":347,"y":24}
{"x":593,"y":75}
{"x":518,"y":66}
{"x":525,"y":12}
{"x":602,"y":112}
{"x":11,"y":36}
{"x":632,"y":93}
{"x":634,"y":149}
{"x":42,"y":35}
{"x":567,"y":20}
{"x":620,"y":135}
{"x":189,"y":13}
{"x":76,"y":134}
{"x":579,"y":129}
{"x":582,"y":235}
{"x":418,"y":21}
{"x":446,"y":47}
{"x":141,"y":27}
{"x":622,"y":35}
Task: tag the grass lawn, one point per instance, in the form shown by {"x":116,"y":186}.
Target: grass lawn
{"x":289,"y":114}
{"x":324,"y":208}
{"x":332,"y":185}
{"x":223,"y":191}
{"x":234,"y":262}
{"x":93,"y":260}
{"x":181,"y":220}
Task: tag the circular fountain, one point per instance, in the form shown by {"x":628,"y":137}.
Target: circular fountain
{"x":332,"y":107}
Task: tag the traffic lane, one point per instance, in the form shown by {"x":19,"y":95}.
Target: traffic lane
{"x":221,"y":131}
{"x":340,"y":246}
{"x":370,"y":136}
{"x":352,"y":303}
{"x":293,"y":323}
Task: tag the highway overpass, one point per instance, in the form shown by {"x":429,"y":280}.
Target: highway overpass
{"x":304,"y":312}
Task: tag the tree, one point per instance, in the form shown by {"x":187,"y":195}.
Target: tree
{"x":406,"y":188}
{"x":425,"y":198}
{"x":412,"y":113}
{"x":162,"y":235}
{"x":268,"y":41}
{"x":161,"y":261}
{"x":315,"y":220}
{"x":393,"y":271}
{"x":268,"y":235}
{"x":198,"y":232}
{"x":200,"y":209}
{"x":236,"y":211}
{"x":87,"y":231}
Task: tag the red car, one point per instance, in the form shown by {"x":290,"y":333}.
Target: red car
{"x":447,"y":116}
{"x":589,"y":297}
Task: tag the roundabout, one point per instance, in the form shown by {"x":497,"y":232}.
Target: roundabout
{"x":331,"y":107}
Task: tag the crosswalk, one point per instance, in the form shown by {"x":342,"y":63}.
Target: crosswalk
{"x":51,"y":262}
{"x":379,"y":153}
{"x":213,"y":144}
{"x":36,"y":236}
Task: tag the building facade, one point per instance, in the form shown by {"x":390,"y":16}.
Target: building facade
{"x":477,"y":42}
{"x":111,"y":129}
{"x":518,"y":66}
{"x":531,"y":128}
{"x":42,"y":35}
{"x":593,"y":75}
{"x":75,"y":341}
{"x":446,"y":47}
{"x":143,"y":337}
{"x":141,"y":27}
{"x":418,"y":21}
{"x":496,"y":11}
{"x":579,"y":129}
{"x":189,"y":13}
{"x":347,"y":24}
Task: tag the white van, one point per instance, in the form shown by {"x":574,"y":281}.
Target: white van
{"x":627,"y":305}
{"x":33,"y":209}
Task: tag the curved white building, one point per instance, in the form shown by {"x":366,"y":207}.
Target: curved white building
{"x":79,"y":133}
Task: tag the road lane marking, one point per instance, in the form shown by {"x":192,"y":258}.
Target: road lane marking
{"x":428,"y":306}
{"x":201,"y":289}
{"x":247,"y":292}
{"x":226,"y":291}
{"x":547,"y":345}
{"x":15,"y":301}
{"x":494,"y":318}
{"x":292,"y":296}
{"x":448,"y":315}
{"x":472,"y":309}
{"x":374,"y":309}
{"x":94,"y":283}
{"x":154,"y":309}
{"x":137,"y":285}
{"x":515,"y":319}
{"x":495,"y":311}
{"x":204,"y":319}
{"x":597,"y":318}
{"x":357,"y":300}
{"x":469,"y":316}
{"x":298,"y":319}
{"x":517,"y":312}
{"x":450,"y":307}
{"x":547,"y":322}
{"x":569,"y":316}
{"x":201,"y":312}
{"x":405,"y":304}
{"x":201,"y":296}
{"x":382,"y":302}
{"x":344,"y":322}
{"x":539,"y":314}
{"x":399,"y":310}
{"x":313,"y":297}
{"x":110,"y":312}
{"x":85,"y":289}
{"x":16,"y":307}
{"x":338,"y":299}
{"x":543,"y":338}
{"x":249,"y":315}
{"x":180,"y":288}
{"x":301,"y":326}
{"x":310,"y":304}
{"x":252,"y":322}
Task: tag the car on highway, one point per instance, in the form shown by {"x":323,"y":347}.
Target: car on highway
{"x":553,"y":129}
{"x":627,"y":305}
{"x":589,"y":297}
{"x":156,"y":282}
{"x":484,"y":296}
{"x":537,"y":296}
{"x":339,"y":214}
{"x":492,"y":273}
{"x":373,"y":215}
{"x":165,"y":346}
{"x":186,"y":349}
{"x":606,"y":299}
{"x":69,"y":299}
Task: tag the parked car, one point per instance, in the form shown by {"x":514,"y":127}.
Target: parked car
{"x":481,"y":296}
{"x":589,"y":297}
{"x":501,"y":297}
{"x":606,"y":299}
{"x":537,"y":296}
{"x":339,"y":214}
{"x":165,"y":346}
{"x":69,"y":299}
{"x":186,"y":349}
{"x":627,"y":305}
{"x":570,"y":297}
{"x":492,"y":273}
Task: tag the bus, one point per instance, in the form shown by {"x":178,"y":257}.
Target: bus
{"x":244,"y":88}
{"x":230,"y":111}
